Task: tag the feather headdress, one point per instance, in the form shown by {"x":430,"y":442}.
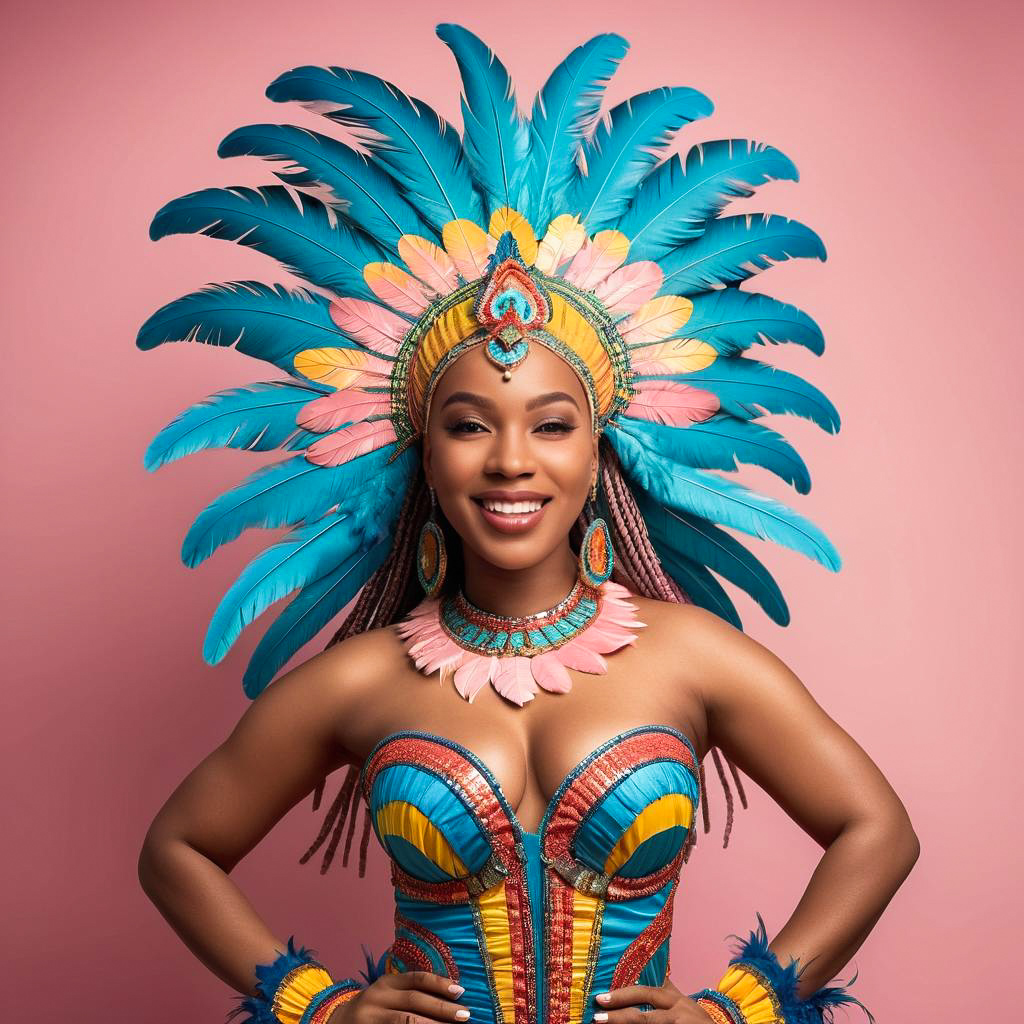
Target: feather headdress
{"x":562,"y":229}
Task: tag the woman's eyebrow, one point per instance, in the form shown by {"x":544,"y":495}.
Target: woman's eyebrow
{"x":486,"y":403}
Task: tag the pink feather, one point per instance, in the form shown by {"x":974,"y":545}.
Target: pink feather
{"x":346,"y":406}
{"x":430,"y":263}
{"x":350,"y":442}
{"x":551,"y":674}
{"x":629,"y":287}
{"x":602,"y":254}
{"x":397,"y":289}
{"x":473,"y":675}
{"x":514,"y":680}
{"x":672,"y":403}
{"x":373,"y":326}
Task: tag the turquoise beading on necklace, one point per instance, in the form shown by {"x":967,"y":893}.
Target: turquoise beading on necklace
{"x":484,"y":632}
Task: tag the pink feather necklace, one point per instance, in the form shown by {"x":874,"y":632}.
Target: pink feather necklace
{"x":518,"y":654}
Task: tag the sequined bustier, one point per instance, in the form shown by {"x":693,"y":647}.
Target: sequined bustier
{"x":533,"y":923}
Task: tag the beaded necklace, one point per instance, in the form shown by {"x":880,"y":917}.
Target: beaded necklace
{"x":518,"y":654}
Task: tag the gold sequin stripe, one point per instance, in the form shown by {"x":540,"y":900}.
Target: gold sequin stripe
{"x":639,"y":952}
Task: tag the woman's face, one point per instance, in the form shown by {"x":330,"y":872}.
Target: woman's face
{"x":512,"y":461}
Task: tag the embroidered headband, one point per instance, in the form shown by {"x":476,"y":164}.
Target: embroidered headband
{"x":564,"y":229}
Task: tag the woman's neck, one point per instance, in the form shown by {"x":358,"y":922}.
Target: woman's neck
{"x":518,"y":592}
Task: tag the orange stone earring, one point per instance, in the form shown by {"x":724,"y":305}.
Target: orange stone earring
{"x":431,"y":555}
{"x":596,"y":555}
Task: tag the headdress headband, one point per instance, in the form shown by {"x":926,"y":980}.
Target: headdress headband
{"x":561,"y":230}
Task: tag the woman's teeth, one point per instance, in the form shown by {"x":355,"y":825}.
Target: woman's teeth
{"x":512,"y":508}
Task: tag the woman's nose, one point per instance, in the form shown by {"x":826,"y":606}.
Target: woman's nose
{"x":510,"y":455}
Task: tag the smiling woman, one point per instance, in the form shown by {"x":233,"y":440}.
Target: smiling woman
{"x":513,"y":396}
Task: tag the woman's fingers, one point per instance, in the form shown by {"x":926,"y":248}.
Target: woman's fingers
{"x":420,"y":997}
{"x":661,"y":997}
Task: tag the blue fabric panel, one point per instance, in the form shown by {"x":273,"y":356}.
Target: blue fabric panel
{"x":410,"y":859}
{"x":655,"y":852}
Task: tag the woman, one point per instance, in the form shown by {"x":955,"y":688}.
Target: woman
{"x":518,"y":413}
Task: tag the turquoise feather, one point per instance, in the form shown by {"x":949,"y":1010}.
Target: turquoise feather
{"x":720,"y":443}
{"x":419,"y":149}
{"x":368,"y":196}
{"x":704,"y":543}
{"x":673,"y":204}
{"x":733,"y":249}
{"x":731,"y":320}
{"x":256,"y":417}
{"x":748,"y":388}
{"x":305,"y":554}
{"x":267,"y":322}
{"x":329,"y":255}
{"x":563,"y":113}
{"x":625,"y":147}
{"x":309,"y":612}
{"x":699,"y":585}
{"x":497,"y":140}
{"x":713,"y":498}
{"x":285,"y":493}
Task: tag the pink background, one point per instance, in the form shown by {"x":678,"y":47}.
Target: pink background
{"x":904,"y":122}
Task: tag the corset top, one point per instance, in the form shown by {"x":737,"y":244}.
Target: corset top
{"x":532,"y":923}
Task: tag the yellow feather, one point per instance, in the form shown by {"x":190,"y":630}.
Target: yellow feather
{"x":428,"y":262}
{"x":656,"y":320}
{"x":564,"y":238}
{"x":507,"y":219}
{"x":467,"y":245}
{"x":682,"y":355}
{"x":394,"y":286}
{"x":340,"y":367}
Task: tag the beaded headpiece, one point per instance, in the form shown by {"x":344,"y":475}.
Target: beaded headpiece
{"x":576,"y":233}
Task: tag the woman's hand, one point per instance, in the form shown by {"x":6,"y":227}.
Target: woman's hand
{"x":413,"y":997}
{"x":621,"y":1006}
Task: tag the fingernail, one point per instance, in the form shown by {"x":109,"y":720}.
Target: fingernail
{"x":603,"y":997}
{"x":456,"y":990}
{"x":462,"y":1014}
{"x":600,"y":1016}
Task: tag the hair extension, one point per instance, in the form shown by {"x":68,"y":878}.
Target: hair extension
{"x":392,"y":591}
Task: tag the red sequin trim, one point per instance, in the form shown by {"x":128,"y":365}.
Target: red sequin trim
{"x":431,"y":939}
{"x":639,"y":952}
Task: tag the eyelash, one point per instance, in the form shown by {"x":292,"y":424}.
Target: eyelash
{"x":562,"y":425}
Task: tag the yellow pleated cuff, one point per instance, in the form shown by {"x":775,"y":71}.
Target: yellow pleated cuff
{"x":757,"y":1002}
{"x":296,"y":992}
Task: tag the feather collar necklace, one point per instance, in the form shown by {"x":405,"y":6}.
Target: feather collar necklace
{"x":518,"y":654}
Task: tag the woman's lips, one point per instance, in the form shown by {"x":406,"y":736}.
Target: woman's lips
{"x":514,"y":522}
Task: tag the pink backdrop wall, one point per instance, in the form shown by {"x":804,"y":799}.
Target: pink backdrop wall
{"x":903,"y":119}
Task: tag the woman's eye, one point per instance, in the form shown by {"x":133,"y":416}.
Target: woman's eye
{"x":556,"y":427}
{"x":466,"y":427}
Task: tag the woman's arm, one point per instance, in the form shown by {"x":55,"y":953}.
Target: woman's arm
{"x":286,"y":742}
{"x":763,"y":718}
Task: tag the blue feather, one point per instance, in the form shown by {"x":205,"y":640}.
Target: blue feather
{"x":286,"y":493}
{"x":563,"y":113}
{"x":731,"y":320}
{"x":267,"y":322}
{"x":309,"y":612}
{"x":309,"y":241}
{"x":420,"y":150}
{"x":302,"y":556}
{"x":720,"y":442}
{"x":712,"y":497}
{"x":699,"y":585}
{"x":748,"y":388}
{"x":369,"y":197}
{"x":255,"y":417}
{"x":701,"y":542}
{"x":626,"y":145}
{"x":673,"y":205}
{"x":497,"y":140}
{"x":735,"y":248}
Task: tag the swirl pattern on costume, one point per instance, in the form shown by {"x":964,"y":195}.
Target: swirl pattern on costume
{"x":532,"y":923}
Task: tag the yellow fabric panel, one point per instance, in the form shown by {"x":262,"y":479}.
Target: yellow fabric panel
{"x":507,"y":219}
{"x":399,"y":818}
{"x":454,"y":325}
{"x":493,"y":909}
{"x":753,"y":999}
{"x":296,"y":992}
{"x":569,"y":327}
{"x":584,"y":916}
{"x":669,"y":810}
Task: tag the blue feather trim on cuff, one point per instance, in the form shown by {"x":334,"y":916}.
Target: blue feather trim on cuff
{"x":269,"y":977}
{"x":817,"y":1008}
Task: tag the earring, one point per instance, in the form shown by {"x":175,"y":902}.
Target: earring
{"x":596,"y":555}
{"x":431,"y":555}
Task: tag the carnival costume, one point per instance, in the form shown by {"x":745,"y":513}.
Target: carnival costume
{"x":565,"y":231}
